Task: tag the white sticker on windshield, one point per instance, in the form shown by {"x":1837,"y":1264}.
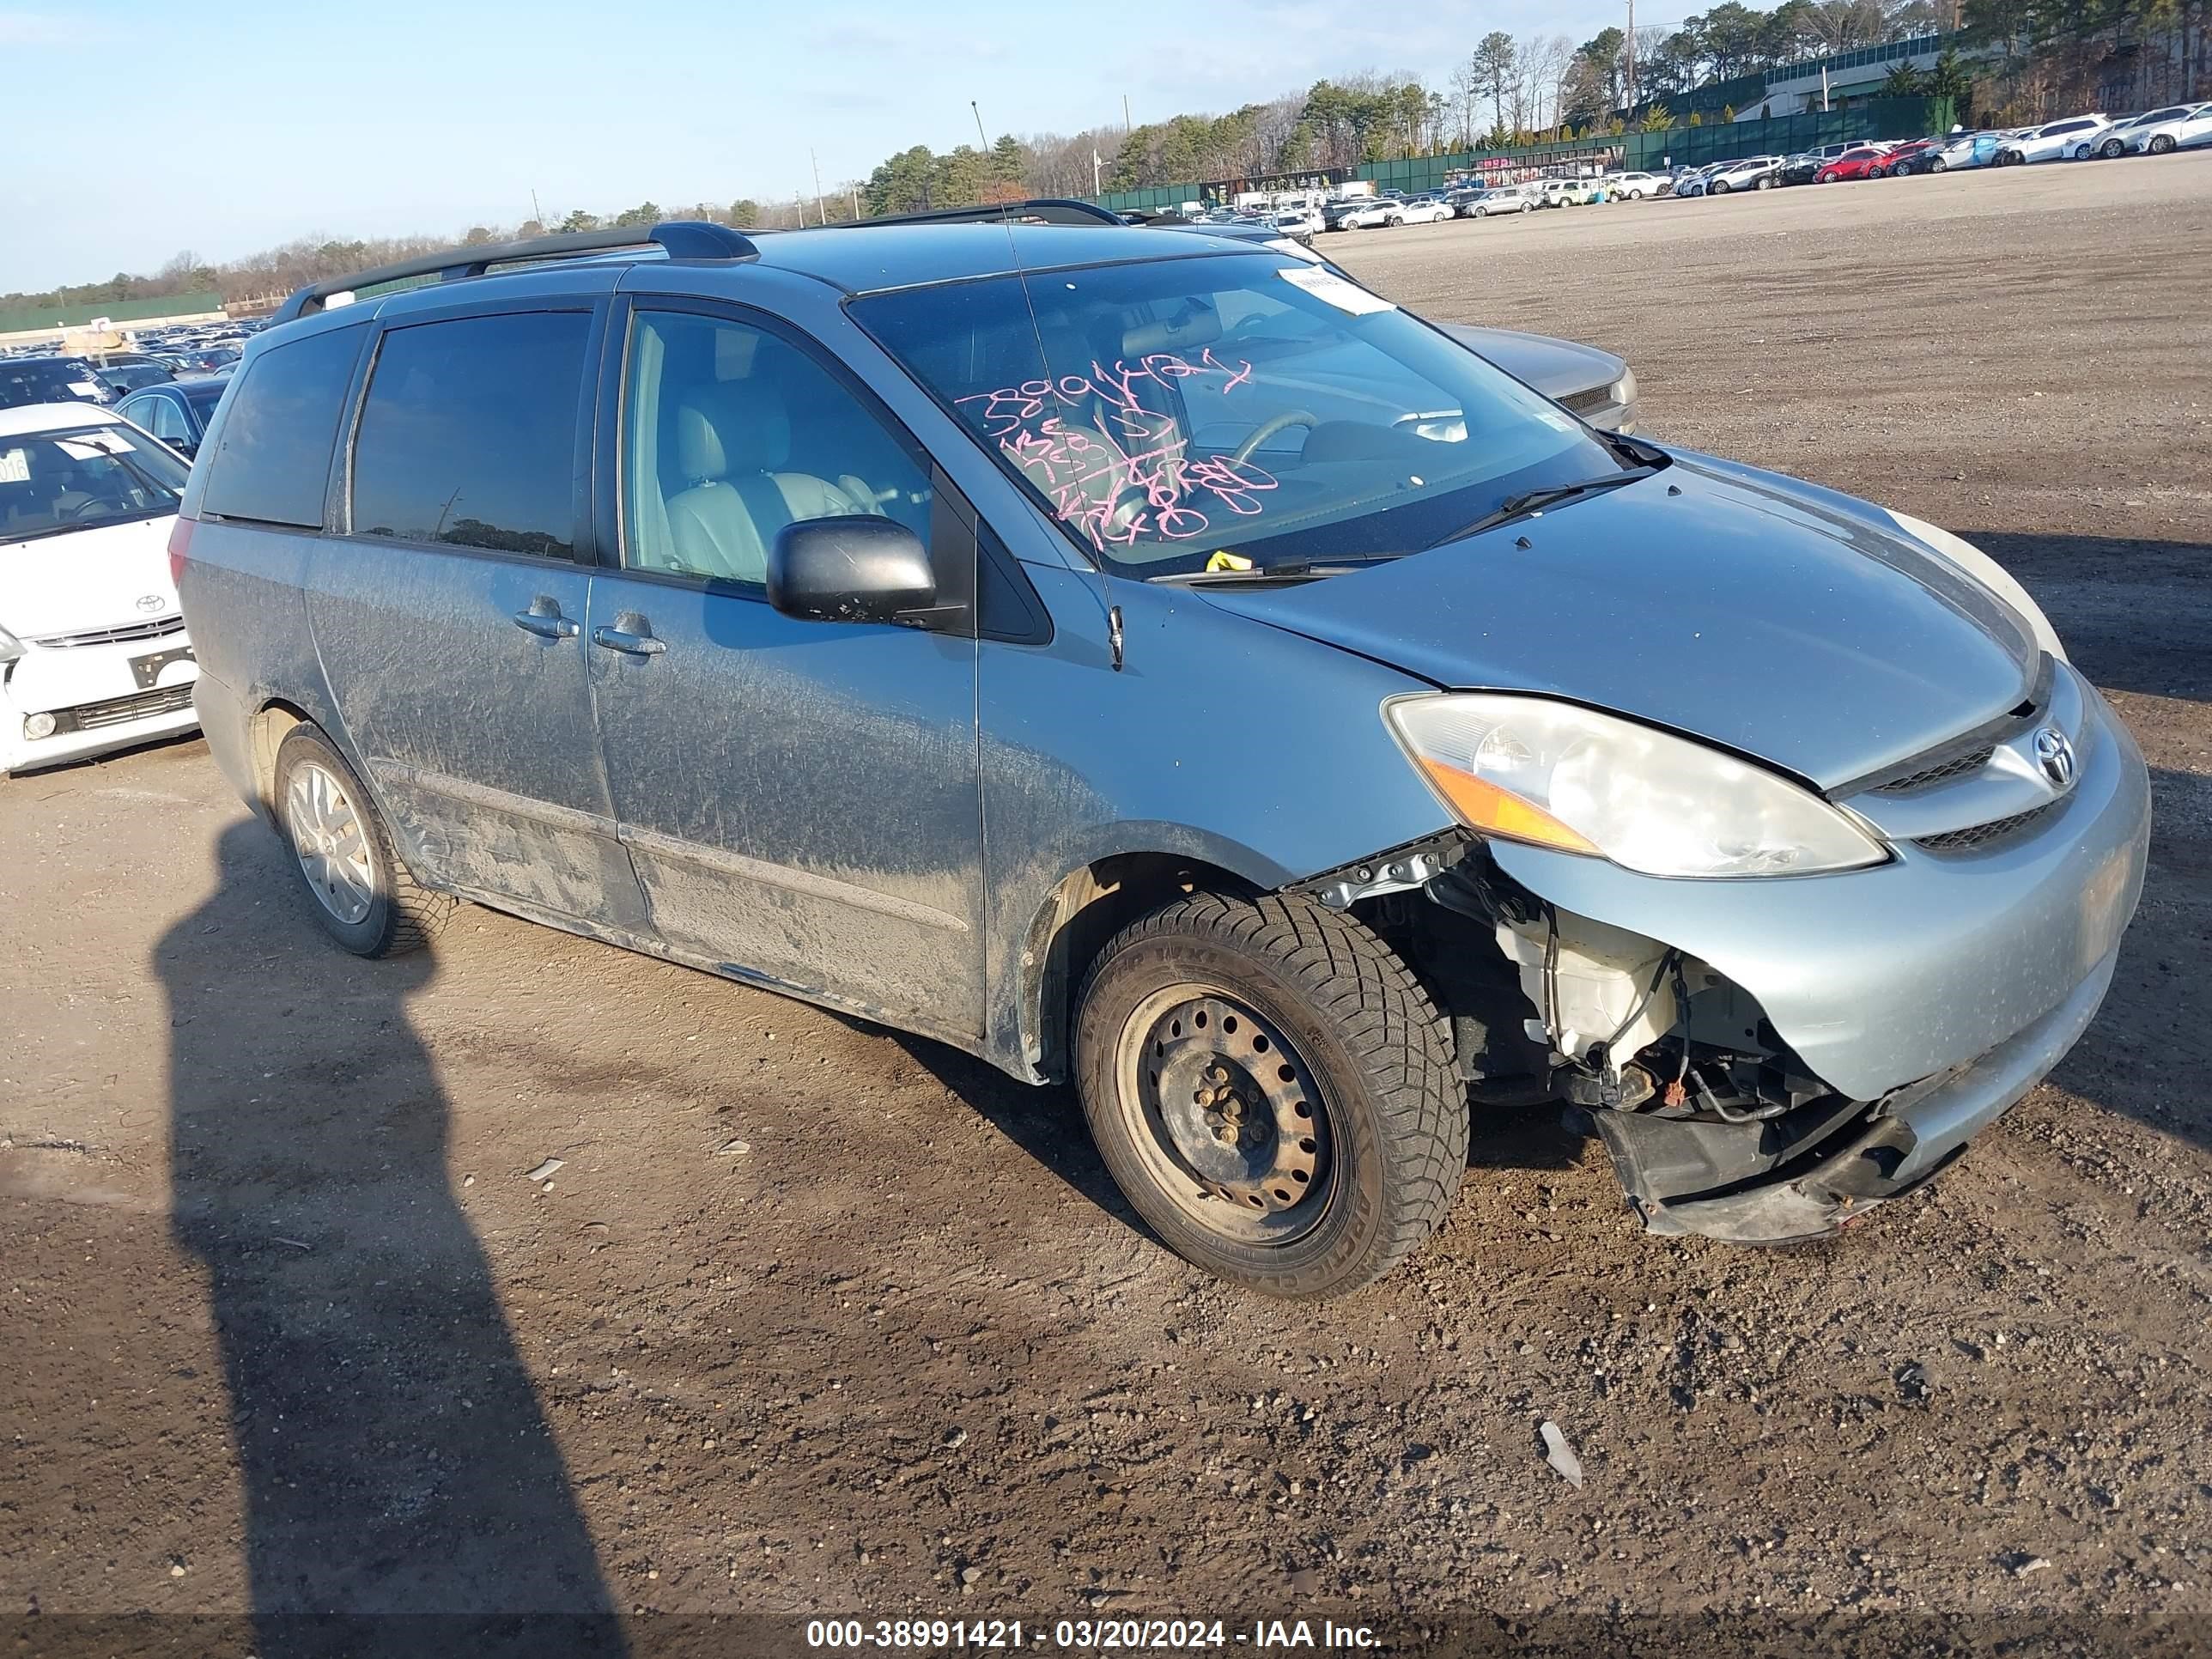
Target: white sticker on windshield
{"x":1327,"y":285}
{"x":91,"y":446}
{"x":15,"y":466}
{"x":1553,"y":417}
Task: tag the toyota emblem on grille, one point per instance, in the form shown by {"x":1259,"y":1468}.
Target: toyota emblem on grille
{"x":2054,"y":754}
{"x":149,"y":602}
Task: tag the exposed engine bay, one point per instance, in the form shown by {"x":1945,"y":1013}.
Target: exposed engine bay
{"x":1714,"y":1126}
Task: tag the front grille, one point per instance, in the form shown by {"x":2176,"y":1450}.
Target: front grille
{"x":1973,"y":761}
{"x":119,"y":711}
{"x":1581,"y":403}
{"x":161,"y":628}
{"x":1983,"y":835}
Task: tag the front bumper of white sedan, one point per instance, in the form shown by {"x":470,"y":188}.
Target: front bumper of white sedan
{"x":70,"y":696}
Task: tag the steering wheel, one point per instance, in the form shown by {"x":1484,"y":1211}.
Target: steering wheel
{"x":1268,"y":428}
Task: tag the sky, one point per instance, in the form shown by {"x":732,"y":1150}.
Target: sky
{"x":137,"y":128}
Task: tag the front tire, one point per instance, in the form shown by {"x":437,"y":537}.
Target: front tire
{"x":1766,"y":183}
{"x":364,"y":896}
{"x":1272,"y":1091}
{"x":2161,"y":143}
{"x":1939,"y":165}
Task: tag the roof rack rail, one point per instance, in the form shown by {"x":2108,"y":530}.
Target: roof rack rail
{"x":1040,"y":210}
{"x":684,"y":239}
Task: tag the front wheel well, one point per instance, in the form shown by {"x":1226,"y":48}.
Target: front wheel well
{"x":1090,"y":906}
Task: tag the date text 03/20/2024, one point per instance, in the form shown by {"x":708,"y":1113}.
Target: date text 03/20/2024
{"x":1087,"y":1635}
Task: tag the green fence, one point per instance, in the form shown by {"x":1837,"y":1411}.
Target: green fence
{"x":23,"y":318}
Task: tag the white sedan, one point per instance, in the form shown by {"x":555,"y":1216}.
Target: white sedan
{"x":94,"y":655}
{"x":2188,"y":128}
{"x":1423,"y":210}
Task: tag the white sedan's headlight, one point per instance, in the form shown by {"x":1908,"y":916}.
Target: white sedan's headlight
{"x":1986,"y":570}
{"x":1568,"y":777}
{"x":10,"y":647}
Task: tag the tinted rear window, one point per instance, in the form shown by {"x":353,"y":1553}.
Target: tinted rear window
{"x":468,"y":433}
{"x":272,"y":460}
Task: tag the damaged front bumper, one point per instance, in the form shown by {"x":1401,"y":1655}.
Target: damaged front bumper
{"x":1927,"y":995}
{"x":1764,"y":1184}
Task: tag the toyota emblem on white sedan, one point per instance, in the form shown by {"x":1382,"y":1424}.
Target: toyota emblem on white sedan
{"x":2054,"y":754}
{"x":149,"y":602}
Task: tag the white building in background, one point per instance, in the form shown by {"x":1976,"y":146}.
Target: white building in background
{"x":1811,"y":83}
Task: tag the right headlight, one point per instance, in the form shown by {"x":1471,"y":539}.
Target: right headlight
{"x":10,"y":647}
{"x":1567,"y":777}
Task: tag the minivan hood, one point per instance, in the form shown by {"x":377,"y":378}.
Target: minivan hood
{"x":1746,"y":610}
{"x":107,"y":576}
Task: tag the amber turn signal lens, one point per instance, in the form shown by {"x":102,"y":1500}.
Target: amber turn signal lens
{"x":1483,"y":805}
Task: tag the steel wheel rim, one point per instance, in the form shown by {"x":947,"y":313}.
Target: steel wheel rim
{"x":331,"y":842}
{"x":1226,"y":1115}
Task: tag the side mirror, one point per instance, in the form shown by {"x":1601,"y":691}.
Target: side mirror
{"x":858,"y":570}
{"x":185,"y":448}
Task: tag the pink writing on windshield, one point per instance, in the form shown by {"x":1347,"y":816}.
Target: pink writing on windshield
{"x":1113,"y":468}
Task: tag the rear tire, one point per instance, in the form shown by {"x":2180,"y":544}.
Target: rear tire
{"x":1326,"y":1131}
{"x":342,"y":852}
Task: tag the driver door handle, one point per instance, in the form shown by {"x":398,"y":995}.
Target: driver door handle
{"x":635,"y":639}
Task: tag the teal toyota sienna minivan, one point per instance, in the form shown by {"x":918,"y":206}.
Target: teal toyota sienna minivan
{"x":1163,"y":665}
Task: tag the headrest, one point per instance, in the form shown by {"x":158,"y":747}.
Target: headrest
{"x":735,"y":426}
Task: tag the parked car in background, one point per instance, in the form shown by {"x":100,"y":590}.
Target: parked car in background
{"x":51,"y":380}
{"x":1699,"y":182}
{"x":1360,"y":213}
{"x":94,"y":655}
{"x":1424,"y":210}
{"x":1506,"y":198}
{"x":803,"y":474}
{"x":2163,"y":131}
{"x":1905,"y":159}
{"x":1464,"y":198}
{"x":2108,"y":142}
{"x":129,"y":377}
{"x":1857,"y":163}
{"x":1634,"y":186}
{"x":1962,"y":150}
{"x":176,"y":412}
{"x":1799,"y":169}
{"x":1754,"y":173}
{"x":2048,"y":143}
{"x":1300,"y":224}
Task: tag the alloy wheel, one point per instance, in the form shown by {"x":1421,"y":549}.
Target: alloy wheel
{"x":330,"y":844}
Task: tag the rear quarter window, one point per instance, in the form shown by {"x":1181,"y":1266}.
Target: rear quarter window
{"x":271,"y":463}
{"x":468,"y":433}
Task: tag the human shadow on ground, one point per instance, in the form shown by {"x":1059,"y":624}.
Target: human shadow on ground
{"x":403,"y":1492}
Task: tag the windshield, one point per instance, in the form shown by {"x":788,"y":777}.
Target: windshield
{"x":1167,"y":412}
{"x":49,"y":380}
{"x":130,"y":376}
{"x":51,"y":481}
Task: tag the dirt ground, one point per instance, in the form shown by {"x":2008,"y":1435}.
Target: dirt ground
{"x":814,"y":1319}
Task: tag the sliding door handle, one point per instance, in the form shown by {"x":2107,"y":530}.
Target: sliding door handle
{"x":639,"y":642}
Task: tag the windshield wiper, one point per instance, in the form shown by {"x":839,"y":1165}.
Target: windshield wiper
{"x":1535,"y":500}
{"x":1293,"y":571}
